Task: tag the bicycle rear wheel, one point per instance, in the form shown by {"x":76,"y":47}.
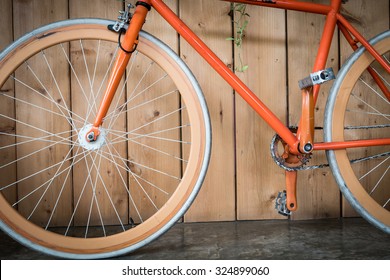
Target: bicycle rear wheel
{"x":70,"y":198}
{"x":357,"y":109}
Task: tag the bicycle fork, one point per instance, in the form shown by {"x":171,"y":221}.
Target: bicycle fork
{"x":127,"y":47}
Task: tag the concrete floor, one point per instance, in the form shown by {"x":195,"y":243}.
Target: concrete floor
{"x":351,"y":238}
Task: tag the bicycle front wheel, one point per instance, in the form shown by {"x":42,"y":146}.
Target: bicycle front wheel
{"x":74,"y":199}
{"x":357,"y":109}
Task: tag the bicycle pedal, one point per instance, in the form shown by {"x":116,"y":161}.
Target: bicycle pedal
{"x":281,"y":204}
{"x":317,"y":78}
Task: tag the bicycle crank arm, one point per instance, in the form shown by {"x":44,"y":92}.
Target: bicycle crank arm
{"x":291,"y":187}
{"x":286,"y":201}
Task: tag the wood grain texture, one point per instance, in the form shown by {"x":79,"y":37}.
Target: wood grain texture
{"x":7,"y":105}
{"x":27,"y":16}
{"x":146,"y":197}
{"x":111,"y":196}
{"x":264,"y":51}
{"x":317,"y":193}
{"x":216,"y":200}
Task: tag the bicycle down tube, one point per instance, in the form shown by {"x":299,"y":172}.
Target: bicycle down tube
{"x":333,"y":18}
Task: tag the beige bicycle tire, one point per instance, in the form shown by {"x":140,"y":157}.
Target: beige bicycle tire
{"x":69,"y":247}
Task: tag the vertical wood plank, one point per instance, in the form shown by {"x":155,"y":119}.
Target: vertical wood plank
{"x":106,"y":9}
{"x":159,"y":28}
{"x":27,"y":16}
{"x":6,"y":35}
{"x":263,"y":50}
{"x":112,"y":195}
{"x":370,"y":20}
{"x":210,"y":20}
{"x":317,"y":192}
{"x":7,"y":105}
{"x":145,"y":198}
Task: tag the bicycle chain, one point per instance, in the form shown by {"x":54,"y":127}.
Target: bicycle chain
{"x":281,"y":162}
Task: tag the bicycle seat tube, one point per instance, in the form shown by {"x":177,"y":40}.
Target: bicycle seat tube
{"x":128,"y":44}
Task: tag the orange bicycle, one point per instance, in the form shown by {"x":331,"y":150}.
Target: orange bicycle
{"x":99,"y":112}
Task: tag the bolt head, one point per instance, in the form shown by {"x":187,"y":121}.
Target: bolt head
{"x":91,"y":136}
{"x":308,"y":147}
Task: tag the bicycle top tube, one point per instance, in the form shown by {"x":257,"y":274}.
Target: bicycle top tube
{"x":292,"y":5}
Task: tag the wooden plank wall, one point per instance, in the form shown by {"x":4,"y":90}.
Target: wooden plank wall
{"x":279,"y":48}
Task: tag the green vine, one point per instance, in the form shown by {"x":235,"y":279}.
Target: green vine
{"x":240,"y":21}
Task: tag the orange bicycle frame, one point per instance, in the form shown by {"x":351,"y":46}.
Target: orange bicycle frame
{"x":306,"y":130}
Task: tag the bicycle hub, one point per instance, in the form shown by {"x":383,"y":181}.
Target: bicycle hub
{"x":90,"y":139}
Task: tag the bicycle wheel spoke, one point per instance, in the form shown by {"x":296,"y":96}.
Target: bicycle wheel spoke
{"x":127,"y":169}
{"x":387,"y":202}
{"x":369,"y":113}
{"x":76,"y":207}
{"x":33,"y":139}
{"x":50,"y":96}
{"x":386,"y":116}
{"x":95,"y":96}
{"x":42,"y":109}
{"x":34,"y":127}
{"x":141,"y":80}
{"x":152,"y":169}
{"x":375,"y":91}
{"x":76,"y":76}
{"x":62,"y":188}
{"x":43,"y":184}
{"x":55,"y":81}
{"x":112,"y":159}
{"x":151,"y":122}
{"x":59,"y":195}
{"x":379,"y":181}
{"x":148,"y":135}
{"x":94,"y":199}
{"x":373,"y":169}
{"x":86,"y":64}
{"x":112,"y":116}
{"x":60,"y":107}
{"x":159,"y":151}
{"x":92,"y":99}
{"x":107,"y":193}
{"x":29,"y":155}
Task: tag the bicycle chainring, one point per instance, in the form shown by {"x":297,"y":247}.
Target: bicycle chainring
{"x":286,"y":160}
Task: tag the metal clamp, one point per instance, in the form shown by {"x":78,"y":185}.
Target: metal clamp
{"x":123,"y":19}
{"x":317,"y":78}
